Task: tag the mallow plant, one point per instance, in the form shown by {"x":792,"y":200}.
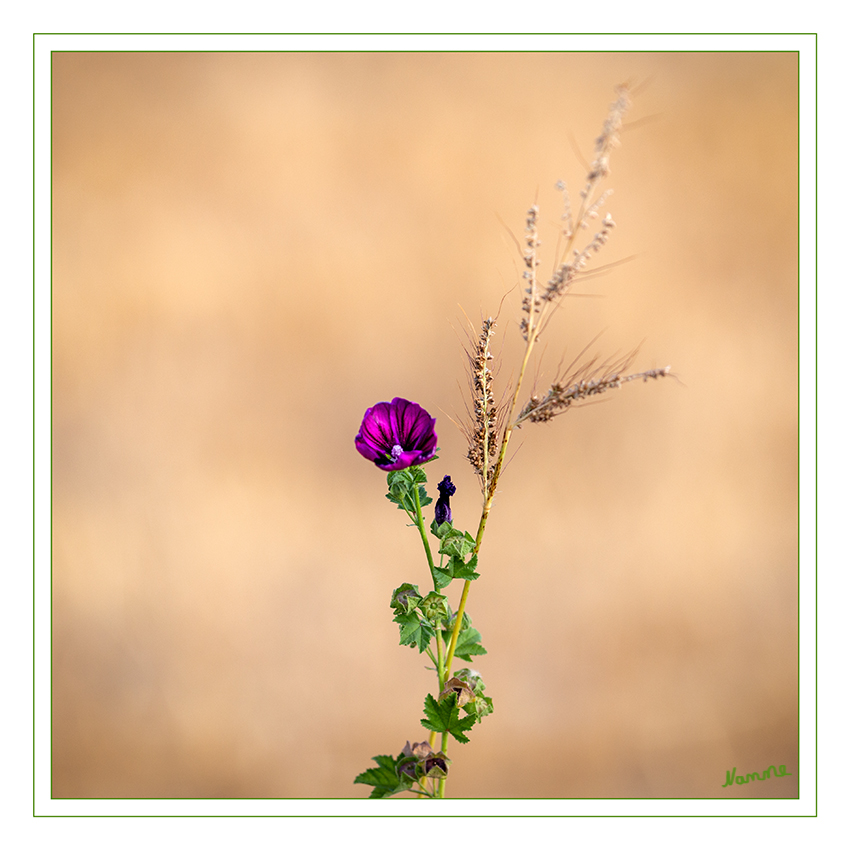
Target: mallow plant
{"x":399,"y":437}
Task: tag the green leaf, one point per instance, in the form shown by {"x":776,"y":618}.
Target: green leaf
{"x":445,"y":716}
{"x":413,"y":630}
{"x":468,"y":643}
{"x":402,"y":485}
{"x":455,"y":568}
{"x":463,"y":570}
{"x":404,"y":501}
{"x":398,"y":479}
{"x":443,"y":576}
{"x":384,"y":778}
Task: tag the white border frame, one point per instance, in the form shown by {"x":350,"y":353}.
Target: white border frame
{"x":43,"y":45}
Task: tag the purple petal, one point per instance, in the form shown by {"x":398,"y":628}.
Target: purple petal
{"x":398,"y":408}
{"x":376,"y":428}
{"x":366,"y":448}
{"x":404,"y":460}
{"x":414,"y":426}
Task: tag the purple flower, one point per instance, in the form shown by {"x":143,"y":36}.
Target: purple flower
{"x":397,"y":434}
{"x":442,"y":510}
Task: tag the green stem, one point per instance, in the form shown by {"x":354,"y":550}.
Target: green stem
{"x":441,"y":670}
{"x":441,"y":673}
{"x":441,"y":787}
{"x":421,"y":790}
{"x":490,"y":491}
{"x":420,"y":524}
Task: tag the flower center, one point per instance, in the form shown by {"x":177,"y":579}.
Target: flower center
{"x":396,"y":451}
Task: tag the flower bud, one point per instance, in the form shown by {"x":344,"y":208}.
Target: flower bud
{"x":442,"y":510}
{"x":405,"y":598}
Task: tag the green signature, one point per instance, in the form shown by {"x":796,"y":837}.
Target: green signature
{"x":743,"y":780}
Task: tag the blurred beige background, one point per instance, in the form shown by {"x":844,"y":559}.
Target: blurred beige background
{"x":249,"y":251}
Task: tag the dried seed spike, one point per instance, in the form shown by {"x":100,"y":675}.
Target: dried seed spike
{"x":483,"y":431}
{"x":610,"y":136}
{"x":531,"y":299}
{"x":582,"y":385}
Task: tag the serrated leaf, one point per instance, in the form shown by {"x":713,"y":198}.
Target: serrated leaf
{"x":402,"y":484}
{"x":442,"y":577}
{"x":468,"y":643}
{"x":465,"y":571}
{"x":400,"y":499}
{"x":384,"y":778}
{"x":414,"y":631}
{"x":399,"y":485}
{"x":444,"y":716}
{"x":399,"y":479}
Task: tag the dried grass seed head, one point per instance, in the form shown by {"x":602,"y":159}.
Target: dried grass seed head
{"x":587,"y":381}
{"x":610,"y":136}
{"x":482,"y":431}
{"x":566,"y":272}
